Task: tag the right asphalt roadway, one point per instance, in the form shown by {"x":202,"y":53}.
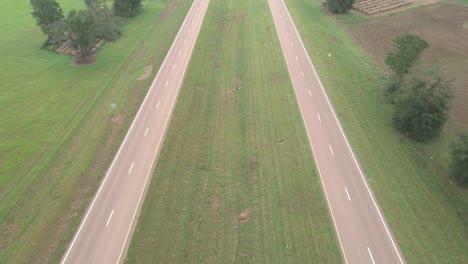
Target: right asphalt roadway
{"x":363,"y":233}
{"x":107,"y":227}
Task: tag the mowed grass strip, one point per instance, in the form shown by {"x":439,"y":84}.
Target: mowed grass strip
{"x":235,"y":181}
{"x":426,"y":212}
{"x":58,"y":133}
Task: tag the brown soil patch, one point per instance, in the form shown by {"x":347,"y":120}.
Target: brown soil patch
{"x":147,"y":73}
{"x":77,"y":60}
{"x":243,"y":217}
{"x":442,"y":25}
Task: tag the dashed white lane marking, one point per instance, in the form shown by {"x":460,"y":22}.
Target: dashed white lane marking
{"x":297,"y":58}
{"x":189,"y":31}
{"x":347,"y":193}
{"x":173,"y":66}
{"x":180,"y":52}
{"x":146,"y":132}
{"x":310,"y":93}
{"x":184,"y":40}
{"x":192,"y":23}
{"x":131,"y":167}
{"x":320,"y":119}
{"x":292,"y":45}
{"x":333,"y":154}
{"x":166,"y":83}
{"x":110,"y":216}
{"x":302,"y":73}
{"x":157,"y":105}
{"x":370,"y":254}
{"x":287,"y":33}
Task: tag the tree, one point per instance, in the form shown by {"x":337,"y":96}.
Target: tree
{"x":127,"y":8}
{"x":82,"y":32}
{"x":460,"y":160}
{"x":408,"y":49}
{"x":46,"y":12}
{"x":422,"y":110}
{"x":339,"y":6}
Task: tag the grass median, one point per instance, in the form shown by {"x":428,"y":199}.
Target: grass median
{"x":235,"y":181}
{"x":426,"y":212}
{"x":58,"y":133}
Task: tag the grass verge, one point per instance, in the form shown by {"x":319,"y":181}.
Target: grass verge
{"x":58,"y":133}
{"x":235,"y":181}
{"x":427,"y":213}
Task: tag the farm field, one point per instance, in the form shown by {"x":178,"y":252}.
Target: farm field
{"x":58,"y":133}
{"x":426,"y":212}
{"x":445,"y":26}
{"x":236,"y":181}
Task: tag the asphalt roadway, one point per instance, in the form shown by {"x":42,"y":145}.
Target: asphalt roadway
{"x":105,"y":231}
{"x":363,"y":233}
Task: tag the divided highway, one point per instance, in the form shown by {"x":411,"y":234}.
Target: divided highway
{"x":106,"y":229}
{"x":363,"y":233}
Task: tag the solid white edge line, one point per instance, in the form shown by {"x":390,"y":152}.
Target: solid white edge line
{"x":165,"y":127}
{"x":312,"y":147}
{"x":123,"y":142}
{"x":370,"y":254}
{"x":110,"y":216}
{"x":347,"y":143}
{"x":333,"y":154}
{"x":146,"y":132}
{"x":131,"y":167}
{"x":347,"y":193}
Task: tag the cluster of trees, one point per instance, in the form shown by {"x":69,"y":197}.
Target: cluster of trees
{"x":421,"y":104}
{"x":83,"y":28}
{"x":339,"y":6}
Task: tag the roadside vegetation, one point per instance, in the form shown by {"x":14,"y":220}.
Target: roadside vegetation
{"x":236,"y":181}
{"x":58,"y":132}
{"x":427,"y":212}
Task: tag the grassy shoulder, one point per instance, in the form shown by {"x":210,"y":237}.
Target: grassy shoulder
{"x":235,"y":181}
{"x":427,"y":213}
{"x":58,"y":133}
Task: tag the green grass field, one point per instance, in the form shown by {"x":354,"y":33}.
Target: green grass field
{"x":57,"y":131}
{"x":235,"y":181}
{"x":427,"y":213}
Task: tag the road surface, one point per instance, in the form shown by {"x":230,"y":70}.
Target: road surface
{"x":106,"y":230}
{"x":363,"y":233}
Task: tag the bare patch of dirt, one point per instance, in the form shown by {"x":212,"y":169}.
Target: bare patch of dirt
{"x":243,"y":217}
{"x":147,"y":73}
{"x":78,"y":60}
{"x":442,"y":26}
{"x":214,"y":204}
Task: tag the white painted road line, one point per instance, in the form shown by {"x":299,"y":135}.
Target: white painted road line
{"x":180,"y":52}
{"x":146,"y":132}
{"x":310,"y":93}
{"x":333,"y":154}
{"x":287,"y":33}
{"x":302,"y":73}
{"x":157,"y":105}
{"x":110,"y":216}
{"x":292,"y":45}
{"x":297,"y":58}
{"x":131,"y":167}
{"x":284,"y":24}
{"x":166,"y":83}
{"x":320,"y":119}
{"x":346,"y":189}
{"x":185,"y":40}
{"x":370,"y":254}
{"x":173,"y":67}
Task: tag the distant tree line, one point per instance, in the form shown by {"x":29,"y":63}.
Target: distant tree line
{"x":83,"y":28}
{"x":338,"y":6}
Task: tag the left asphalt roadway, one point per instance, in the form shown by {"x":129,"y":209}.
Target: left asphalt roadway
{"x":107,"y":227}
